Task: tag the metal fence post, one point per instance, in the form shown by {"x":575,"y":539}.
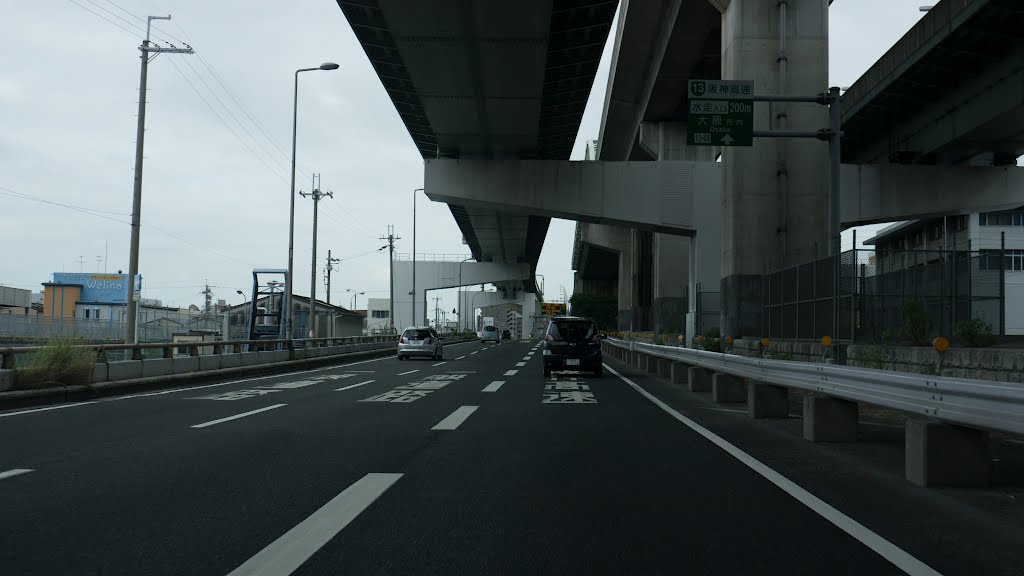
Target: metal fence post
{"x":1002,"y":283}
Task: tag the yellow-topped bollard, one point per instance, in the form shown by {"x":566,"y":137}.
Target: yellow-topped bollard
{"x":826,"y":341}
{"x":766,"y":342}
{"x":940,"y":344}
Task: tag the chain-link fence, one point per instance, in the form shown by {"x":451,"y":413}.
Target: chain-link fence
{"x":152,"y":327}
{"x":876,"y":290}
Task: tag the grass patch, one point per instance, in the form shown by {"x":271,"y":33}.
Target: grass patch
{"x":63,"y":361}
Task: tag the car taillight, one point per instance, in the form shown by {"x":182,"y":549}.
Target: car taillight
{"x":549,"y":338}
{"x":430,"y":340}
{"x":595,"y":339}
{"x":401,"y":340}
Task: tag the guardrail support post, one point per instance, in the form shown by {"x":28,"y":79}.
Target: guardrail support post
{"x":651,"y":364}
{"x":136,"y":353}
{"x":829,"y":419}
{"x":699,"y":379}
{"x":727,"y":389}
{"x":664,"y":368}
{"x":7,"y":359}
{"x":679,"y":373}
{"x":168,"y":352}
{"x":943,"y":454}
{"x":767,"y":400}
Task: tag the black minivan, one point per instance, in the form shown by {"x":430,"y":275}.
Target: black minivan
{"x":572,"y":343}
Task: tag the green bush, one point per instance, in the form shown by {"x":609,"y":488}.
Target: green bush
{"x":713,"y":339}
{"x":974,"y":333}
{"x":916,"y":323}
{"x":62,"y":361}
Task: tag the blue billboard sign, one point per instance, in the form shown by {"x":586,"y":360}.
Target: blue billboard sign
{"x":100,"y":288}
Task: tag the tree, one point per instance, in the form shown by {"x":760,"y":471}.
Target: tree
{"x":602,"y":309}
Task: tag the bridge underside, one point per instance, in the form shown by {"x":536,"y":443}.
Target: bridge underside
{"x":482,"y":79}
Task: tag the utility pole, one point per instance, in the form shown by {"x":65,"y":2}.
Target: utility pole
{"x":316,"y":194}
{"x":327,"y":270}
{"x":209,"y":298}
{"x":437,"y":311}
{"x":391,"y":273}
{"x":131,"y":335}
{"x":81,"y":261}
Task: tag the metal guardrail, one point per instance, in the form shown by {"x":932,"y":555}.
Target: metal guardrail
{"x":8,"y":355}
{"x":980,"y":404}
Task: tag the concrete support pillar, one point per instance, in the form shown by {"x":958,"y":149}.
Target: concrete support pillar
{"x":699,"y":379}
{"x":775,"y":193}
{"x":828,"y":419}
{"x":625,"y":290}
{"x":664,"y":368}
{"x":727,"y":389}
{"x":679,"y":373}
{"x":670,"y":285}
{"x":767,"y":401}
{"x":947,"y":455}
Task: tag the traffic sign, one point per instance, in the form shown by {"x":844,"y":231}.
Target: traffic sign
{"x":721,"y":113}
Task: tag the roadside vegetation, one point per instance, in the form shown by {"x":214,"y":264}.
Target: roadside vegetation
{"x":62,"y":361}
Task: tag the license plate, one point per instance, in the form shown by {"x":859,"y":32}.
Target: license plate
{"x":572,"y":362}
{"x":416,"y":342}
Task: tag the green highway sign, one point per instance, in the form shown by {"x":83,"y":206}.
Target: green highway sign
{"x":721,"y":113}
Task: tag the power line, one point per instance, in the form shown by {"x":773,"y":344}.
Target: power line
{"x":90,"y":211}
{"x":118,"y":16}
{"x":101,"y":17}
{"x":203,"y":248}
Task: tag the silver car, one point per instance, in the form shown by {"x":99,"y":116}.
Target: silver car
{"x":489,"y":333}
{"x":421,"y":341}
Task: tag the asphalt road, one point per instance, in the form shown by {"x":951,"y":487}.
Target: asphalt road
{"x":473,"y":465}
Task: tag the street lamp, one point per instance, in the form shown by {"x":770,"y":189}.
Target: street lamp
{"x":355,"y":297}
{"x":291,"y":210}
{"x":415,"y":320}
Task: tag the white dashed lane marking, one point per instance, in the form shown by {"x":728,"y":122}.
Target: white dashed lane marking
{"x":404,"y":373}
{"x":493,"y":386}
{"x":353,"y":386}
{"x":511,"y":372}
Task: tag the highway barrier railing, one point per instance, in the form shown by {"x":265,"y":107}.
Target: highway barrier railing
{"x":952,"y":412}
{"x":168,"y":363}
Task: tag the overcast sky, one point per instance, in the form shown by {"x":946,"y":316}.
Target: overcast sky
{"x":218,"y":137}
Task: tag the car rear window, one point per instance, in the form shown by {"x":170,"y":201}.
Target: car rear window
{"x":417,"y":334}
{"x":572,"y":330}
{"x":490,"y":329}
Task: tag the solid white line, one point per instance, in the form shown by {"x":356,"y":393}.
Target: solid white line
{"x":237,"y":416}
{"x":284,"y":555}
{"x":520,"y":364}
{"x":353,"y":386}
{"x":404,"y":373}
{"x":439,"y":364}
{"x":361,"y":371}
{"x":880,"y":545}
{"x":511,"y":372}
{"x":15,"y":472}
{"x":455,"y":418}
{"x":493,"y":386}
{"x":726,"y":410}
{"x":57,"y":407}
{"x":460,"y":357}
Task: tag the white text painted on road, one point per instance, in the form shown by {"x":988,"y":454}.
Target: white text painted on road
{"x":452,"y":421}
{"x":511,"y":372}
{"x":285,"y":555}
{"x":237,"y":416}
{"x":897,"y":556}
{"x":15,"y":472}
{"x":404,"y":373}
{"x":493,"y":386}
{"x":353,"y":386}
{"x":568,"y":392}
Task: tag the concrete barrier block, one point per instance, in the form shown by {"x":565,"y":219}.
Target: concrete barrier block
{"x":651,"y":364}
{"x":828,"y":419}
{"x":283,"y":355}
{"x":699,"y":379}
{"x":767,"y":401}
{"x":210,"y":362}
{"x":186,"y":364}
{"x":267,"y":356}
{"x":727,"y":389}
{"x":124,"y":370}
{"x":99,"y":372}
{"x":303,"y":353}
{"x":679,"y":373}
{"x":230,"y":360}
{"x":157,"y":367}
{"x":6,"y":380}
{"x":334,"y":350}
{"x":250,"y":358}
{"x":940,"y":454}
{"x":664,"y":368}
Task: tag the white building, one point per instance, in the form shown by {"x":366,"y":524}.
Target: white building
{"x":378,"y":315}
{"x":919,"y":242}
